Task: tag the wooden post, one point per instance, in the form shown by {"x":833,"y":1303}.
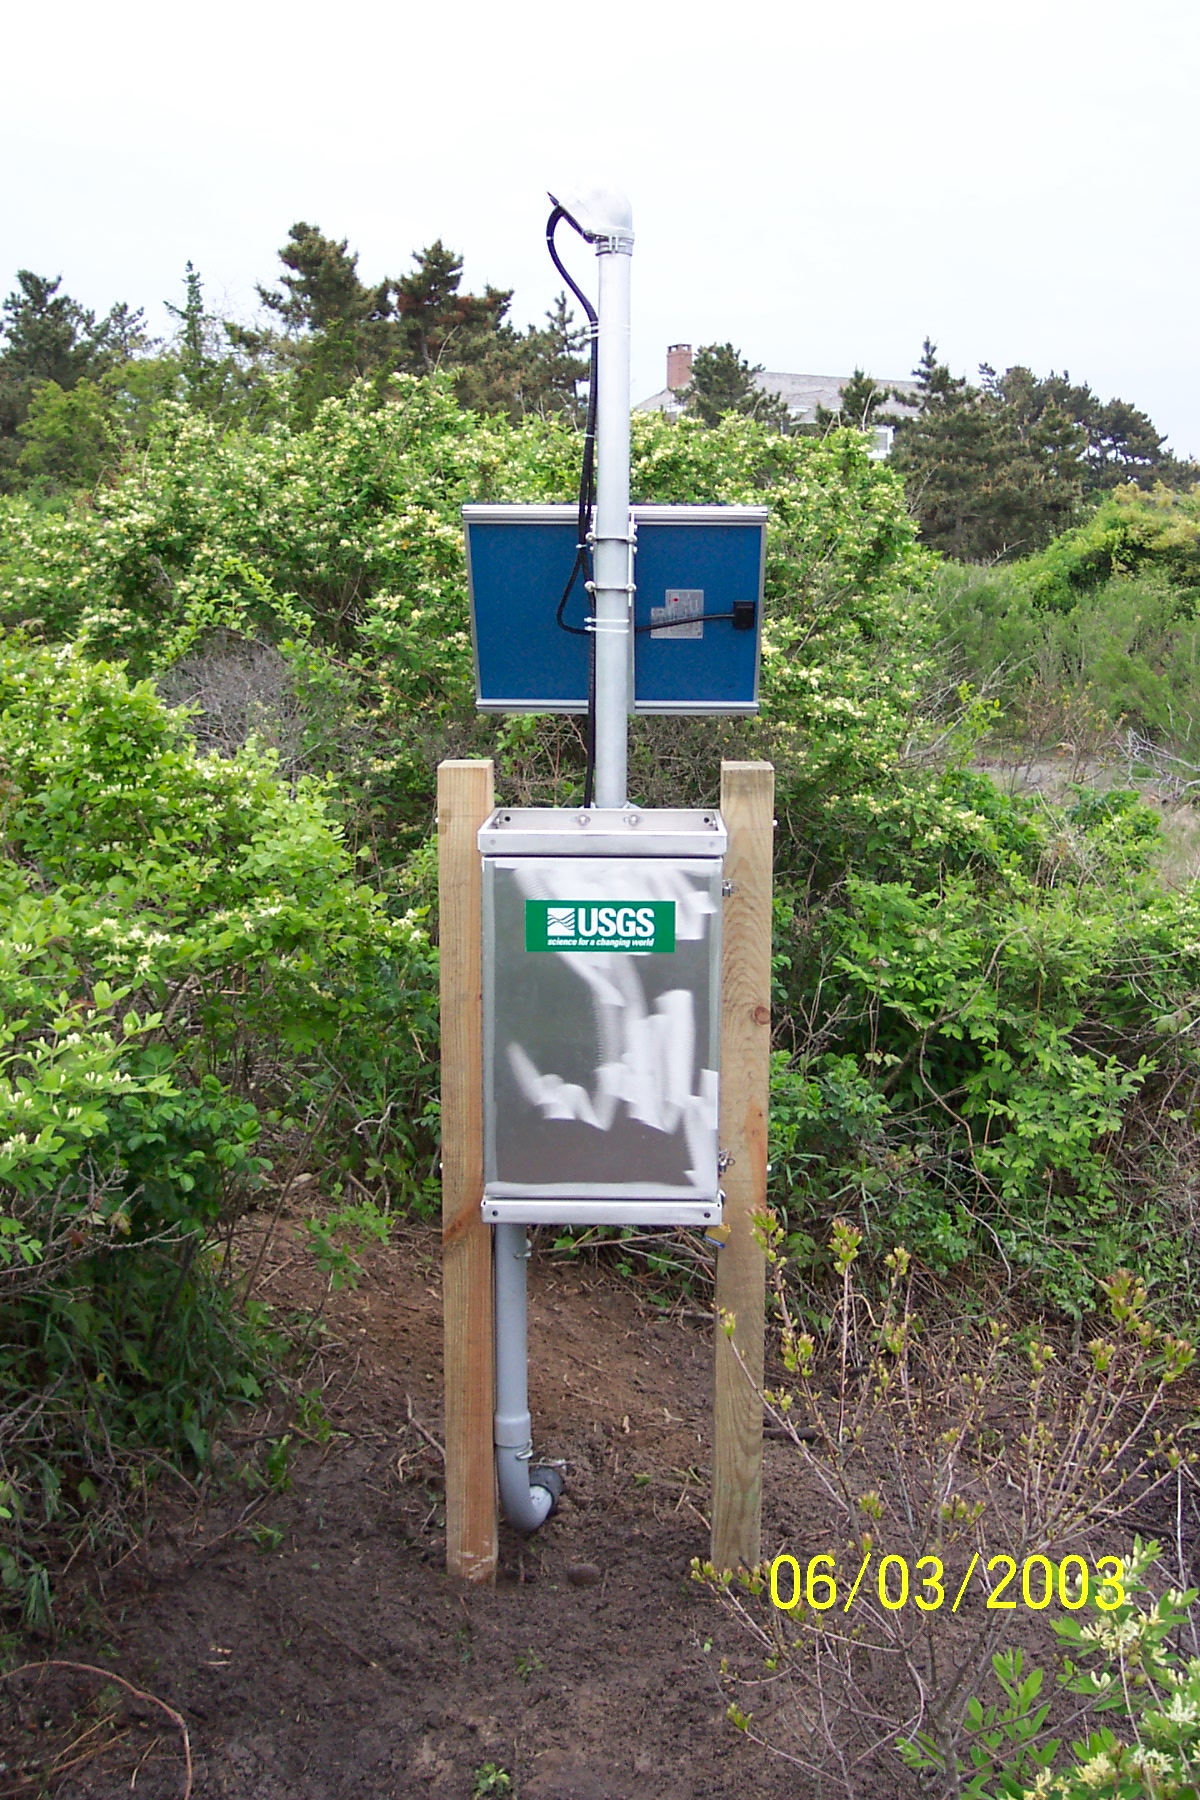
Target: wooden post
{"x":464,"y":802}
{"x":747,"y":805}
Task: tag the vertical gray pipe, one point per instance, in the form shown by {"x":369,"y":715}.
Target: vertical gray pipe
{"x":527,"y":1495}
{"x":611,"y":557}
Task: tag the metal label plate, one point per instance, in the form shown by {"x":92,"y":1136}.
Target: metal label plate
{"x":681,"y":617}
{"x":644,"y":927}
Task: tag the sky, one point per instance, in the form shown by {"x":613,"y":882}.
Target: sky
{"x":822,"y":185}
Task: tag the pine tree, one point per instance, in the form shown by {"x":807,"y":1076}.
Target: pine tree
{"x":439,"y":324}
{"x":336,"y":329}
{"x":217,"y":362}
{"x":1124,"y":446}
{"x":196,"y":340}
{"x":323,"y":293}
{"x":552,"y":370}
{"x":1000,"y":468}
{"x":723,"y":381}
{"x":862,"y":402}
{"x":49,"y":337}
{"x":1122,"y":443}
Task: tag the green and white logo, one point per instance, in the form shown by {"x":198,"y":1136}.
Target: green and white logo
{"x":646,"y":925}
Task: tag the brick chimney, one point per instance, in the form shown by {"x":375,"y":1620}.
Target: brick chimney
{"x":679,"y":365}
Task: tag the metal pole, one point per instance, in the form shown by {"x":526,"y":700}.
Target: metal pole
{"x":529,"y":1493}
{"x":612,"y":556}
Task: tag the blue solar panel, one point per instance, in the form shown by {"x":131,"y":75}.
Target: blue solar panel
{"x":693,"y":566}
{"x":519,"y":559}
{"x":711,"y":665}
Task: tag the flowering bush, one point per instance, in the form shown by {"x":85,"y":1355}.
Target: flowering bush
{"x":1139,"y":1675}
{"x":984,"y":1009}
{"x":187,"y":964}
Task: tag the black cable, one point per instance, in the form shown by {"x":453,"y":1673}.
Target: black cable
{"x":587,"y":479}
{"x":587,"y":483}
{"x":587,"y":496}
{"x":741,"y":620}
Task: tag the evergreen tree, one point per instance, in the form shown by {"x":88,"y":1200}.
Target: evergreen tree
{"x":336,"y":329}
{"x":322,"y":292}
{"x":862,"y":402}
{"x":1122,"y":444}
{"x":1000,"y":468}
{"x":217,"y":365}
{"x":195,"y":333}
{"x":987,"y":476}
{"x":723,"y":382}
{"x":559,"y":352}
{"x":439,"y":325}
{"x":546,"y":368}
{"x":49,"y":337}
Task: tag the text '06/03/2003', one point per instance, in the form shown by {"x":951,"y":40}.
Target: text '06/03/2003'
{"x":1068,"y":1581}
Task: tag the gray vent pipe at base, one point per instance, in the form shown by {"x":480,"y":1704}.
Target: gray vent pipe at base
{"x":527,"y":1494}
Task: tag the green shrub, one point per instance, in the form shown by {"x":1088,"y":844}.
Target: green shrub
{"x":187,"y":962}
{"x":1130,"y":645}
{"x":987,"y":1049}
{"x":1106,"y":613}
{"x":1130,"y":533}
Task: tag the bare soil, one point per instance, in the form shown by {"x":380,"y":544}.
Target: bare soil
{"x":317,"y":1649}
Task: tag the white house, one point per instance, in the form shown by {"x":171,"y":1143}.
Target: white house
{"x":801,"y":394}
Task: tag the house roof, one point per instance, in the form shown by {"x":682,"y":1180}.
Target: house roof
{"x":802,"y":394}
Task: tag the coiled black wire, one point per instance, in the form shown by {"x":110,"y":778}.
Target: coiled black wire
{"x":587,"y":496}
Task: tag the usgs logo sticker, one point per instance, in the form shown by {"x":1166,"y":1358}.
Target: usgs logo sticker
{"x":591,"y":925}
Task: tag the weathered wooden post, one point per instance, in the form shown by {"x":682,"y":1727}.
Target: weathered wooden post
{"x":464,"y":802}
{"x":747,"y":806}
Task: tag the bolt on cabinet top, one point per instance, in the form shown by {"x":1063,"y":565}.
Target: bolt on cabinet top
{"x":603,"y":831}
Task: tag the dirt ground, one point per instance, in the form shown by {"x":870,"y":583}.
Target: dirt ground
{"x":306,"y":1636}
{"x":317,"y":1649}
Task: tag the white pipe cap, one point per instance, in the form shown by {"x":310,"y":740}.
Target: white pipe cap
{"x":599,"y":211}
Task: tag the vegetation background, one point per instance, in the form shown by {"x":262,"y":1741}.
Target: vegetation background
{"x":235,"y":647}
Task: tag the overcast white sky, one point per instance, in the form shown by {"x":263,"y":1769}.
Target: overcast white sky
{"x":822,"y":184}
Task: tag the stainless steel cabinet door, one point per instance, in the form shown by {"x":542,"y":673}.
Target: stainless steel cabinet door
{"x":601,"y":1027}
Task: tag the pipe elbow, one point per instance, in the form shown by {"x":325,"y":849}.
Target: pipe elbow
{"x":528,"y":1495}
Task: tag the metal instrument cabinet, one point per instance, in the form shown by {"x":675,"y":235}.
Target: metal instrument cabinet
{"x":601,"y":1015}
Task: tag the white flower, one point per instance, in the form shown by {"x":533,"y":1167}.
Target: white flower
{"x":1096,"y":1773}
